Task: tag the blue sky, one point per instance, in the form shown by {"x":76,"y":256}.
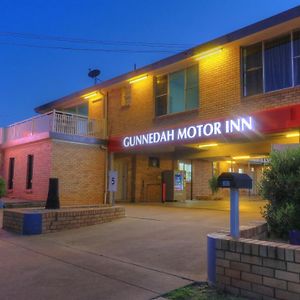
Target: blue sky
{"x":32,"y":76}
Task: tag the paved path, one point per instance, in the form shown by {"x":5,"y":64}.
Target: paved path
{"x":151,"y":251}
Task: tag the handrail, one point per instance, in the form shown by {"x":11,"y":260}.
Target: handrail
{"x":55,"y":121}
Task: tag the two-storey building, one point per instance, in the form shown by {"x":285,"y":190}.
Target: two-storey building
{"x":220,"y":106}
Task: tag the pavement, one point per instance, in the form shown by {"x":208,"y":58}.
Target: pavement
{"x":155,"y":249}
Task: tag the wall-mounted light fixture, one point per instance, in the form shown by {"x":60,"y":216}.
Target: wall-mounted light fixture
{"x":241,"y":157}
{"x":136,"y":79}
{"x":92,"y":96}
{"x":293,"y":134}
{"x":207,"y":145}
{"x":208,"y":53}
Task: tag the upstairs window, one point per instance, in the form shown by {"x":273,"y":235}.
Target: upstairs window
{"x":253,"y":70}
{"x":161,"y":95}
{"x":126,"y":95}
{"x":271,"y":65}
{"x":296,"y":57}
{"x":177,"y":92}
{"x":278,"y":63}
{"x":81,"y":109}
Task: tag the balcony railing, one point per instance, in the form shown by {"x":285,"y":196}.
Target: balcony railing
{"x":55,"y":121}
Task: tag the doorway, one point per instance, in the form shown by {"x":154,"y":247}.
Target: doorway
{"x":121,"y":166}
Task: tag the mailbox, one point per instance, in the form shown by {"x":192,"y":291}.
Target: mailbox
{"x":235,"y":181}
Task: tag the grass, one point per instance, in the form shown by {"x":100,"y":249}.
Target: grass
{"x":199,"y":291}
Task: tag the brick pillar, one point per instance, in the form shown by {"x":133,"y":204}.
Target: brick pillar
{"x":202,"y":172}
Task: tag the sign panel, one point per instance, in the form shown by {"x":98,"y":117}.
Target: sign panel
{"x":188,"y":133}
{"x":112,"y":181}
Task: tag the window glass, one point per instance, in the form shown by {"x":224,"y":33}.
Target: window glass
{"x":11,"y":172}
{"x":29,"y":172}
{"x":192,"y":79}
{"x":296,"y":51}
{"x":187,"y":167}
{"x":83,"y":109}
{"x":177,"y":92}
{"x":161,"y":93}
{"x":176,"y":96}
{"x":278,"y":64}
{"x":252,"y":64}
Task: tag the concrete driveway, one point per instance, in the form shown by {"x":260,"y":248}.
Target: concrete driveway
{"x":153,"y":250}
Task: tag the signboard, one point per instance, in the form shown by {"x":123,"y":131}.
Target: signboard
{"x":188,"y":133}
{"x":112,"y":181}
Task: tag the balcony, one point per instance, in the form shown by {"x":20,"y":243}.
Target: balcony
{"x":54,"y":124}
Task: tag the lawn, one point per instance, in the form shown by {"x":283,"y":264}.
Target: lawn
{"x":199,"y":291}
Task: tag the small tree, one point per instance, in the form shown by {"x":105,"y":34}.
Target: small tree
{"x":2,"y":187}
{"x":213,"y":184}
{"x":280,"y":185}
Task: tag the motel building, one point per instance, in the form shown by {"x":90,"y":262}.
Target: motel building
{"x":166,"y":128}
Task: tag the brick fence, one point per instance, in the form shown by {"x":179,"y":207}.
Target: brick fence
{"x":254,"y":268}
{"x":37,"y":221}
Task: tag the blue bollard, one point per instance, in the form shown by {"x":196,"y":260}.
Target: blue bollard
{"x":234,"y":213}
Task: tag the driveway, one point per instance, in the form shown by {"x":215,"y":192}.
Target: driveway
{"x":153,"y":250}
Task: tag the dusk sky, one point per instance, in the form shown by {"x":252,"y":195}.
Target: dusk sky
{"x":36,"y":67}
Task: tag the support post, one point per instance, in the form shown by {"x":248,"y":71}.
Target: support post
{"x":111,"y":167}
{"x":234,"y":213}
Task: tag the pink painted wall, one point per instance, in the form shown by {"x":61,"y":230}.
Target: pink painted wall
{"x":42,"y":151}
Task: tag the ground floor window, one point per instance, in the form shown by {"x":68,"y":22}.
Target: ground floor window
{"x":11,"y":171}
{"x":187,"y":167}
{"x":29,"y":172}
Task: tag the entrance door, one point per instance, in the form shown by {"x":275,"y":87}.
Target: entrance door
{"x":121,"y":167}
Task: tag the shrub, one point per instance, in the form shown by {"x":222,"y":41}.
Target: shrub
{"x":280,"y":185}
{"x":213,"y":184}
{"x":282,"y":219}
{"x":2,"y":187}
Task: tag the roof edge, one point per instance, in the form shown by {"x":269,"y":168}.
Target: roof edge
{"x":224,"y":39}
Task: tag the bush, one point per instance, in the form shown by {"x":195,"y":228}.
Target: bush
{"x":282,"y":219}
{"x":213,"y":184}
{"x":280,"y":185}
{"x":2,"y":187}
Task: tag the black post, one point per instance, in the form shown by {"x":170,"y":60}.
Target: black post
{"x":53,"y":196}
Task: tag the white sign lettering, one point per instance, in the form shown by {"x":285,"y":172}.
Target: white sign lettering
{"x":213,"y":129}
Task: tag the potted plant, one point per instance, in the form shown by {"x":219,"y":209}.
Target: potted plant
{"x":2,"y":191}
{"x":280,"y":185}
{"x":213,"y":184}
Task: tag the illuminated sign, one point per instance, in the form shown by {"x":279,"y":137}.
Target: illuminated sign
{"x":212,"y":129}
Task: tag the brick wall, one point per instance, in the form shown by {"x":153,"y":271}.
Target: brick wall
{"x":80,"y":169}
{"x":220,"y":96}
{"x":202,"y":172}
{"x":257,"y":269}
{"x":58,"y":220}
{"x":148,"y":179}
{"x":41,"y":169}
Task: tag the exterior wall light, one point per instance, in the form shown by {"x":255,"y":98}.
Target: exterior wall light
{"x":241,"y":157}
{"x":92,"y":96}
{"x":131,"y":81}
{"x":207,"y":145}
{"x":208,"y":53}
{"x":294,"y":134}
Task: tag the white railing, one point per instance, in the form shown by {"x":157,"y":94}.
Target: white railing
{"x":55,"y":121}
